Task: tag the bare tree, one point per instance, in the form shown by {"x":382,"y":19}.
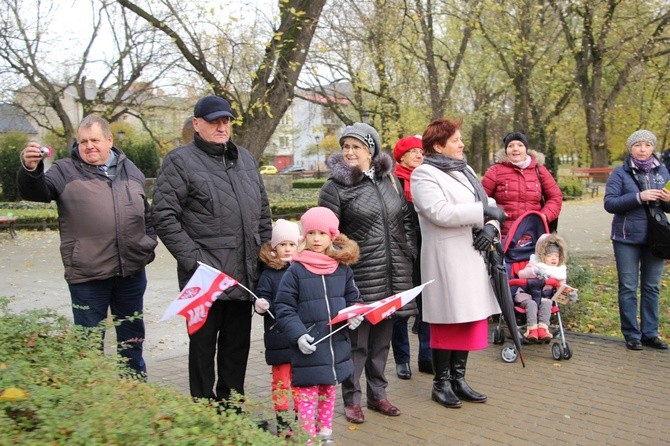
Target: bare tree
{"x":525,"y":38}
{"x":262,"y":106}
{"x":608,"y":39}
{"x":435,"y":47}
{"x":128,"y":74}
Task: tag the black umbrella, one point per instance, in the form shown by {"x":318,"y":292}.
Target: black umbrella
{"x":499,"y":281}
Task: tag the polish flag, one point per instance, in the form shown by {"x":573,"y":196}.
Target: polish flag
{"x":376,"y":312}
{"x":195,"y":300}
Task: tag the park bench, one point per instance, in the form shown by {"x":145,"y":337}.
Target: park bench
{"x":9,"y":222}
{"x":592,"y":177}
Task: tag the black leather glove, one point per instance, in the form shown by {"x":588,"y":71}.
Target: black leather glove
{"x":495,"y":213}
{"x":485,"y":238}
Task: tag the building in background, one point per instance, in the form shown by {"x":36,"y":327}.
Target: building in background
{"x":14,"y":120}
{"x":298,"y":139}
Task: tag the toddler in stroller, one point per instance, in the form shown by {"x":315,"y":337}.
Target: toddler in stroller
{"x":548,"y":262}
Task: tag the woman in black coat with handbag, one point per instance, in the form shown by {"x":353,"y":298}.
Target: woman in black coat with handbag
{"x":638,"y":184}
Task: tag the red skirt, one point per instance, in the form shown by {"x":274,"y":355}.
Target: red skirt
{"x":466,"y":336}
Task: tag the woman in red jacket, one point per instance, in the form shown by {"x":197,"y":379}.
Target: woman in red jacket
{"x":519,"y":182}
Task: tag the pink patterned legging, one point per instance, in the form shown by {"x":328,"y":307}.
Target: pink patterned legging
{"x":316,"y":405}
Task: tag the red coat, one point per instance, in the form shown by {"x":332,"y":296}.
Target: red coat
{"x":518,"y":190}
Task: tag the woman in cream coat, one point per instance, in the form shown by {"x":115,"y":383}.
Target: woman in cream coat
{"x":457,"y":221}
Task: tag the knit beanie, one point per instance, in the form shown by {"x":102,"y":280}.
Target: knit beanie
{"x":364,"y":133}
{"x":284,"y":231}
{"x":321,"y":219}
{"x":405,"y":144}
{"x":515,"y":136}
{"x":641,"y":135}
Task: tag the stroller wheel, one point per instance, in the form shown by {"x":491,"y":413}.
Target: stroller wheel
{"x":509,"y":353}
{"x":498,"y":336}
{"x":557,"y":351}
{"x":567,"y":352}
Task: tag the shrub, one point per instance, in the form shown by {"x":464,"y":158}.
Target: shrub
{"x":309,"y":183}
{"x":143,"y":153}
{"x":57,"y":388}
{"x":571,"y":187}
{"x":293,"y":204}
{"x":11,"y":145}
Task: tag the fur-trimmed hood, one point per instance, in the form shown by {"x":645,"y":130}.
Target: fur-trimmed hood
{"x":544,"y":241}
{"x":347,"y":175}
{"x":501,"y":157}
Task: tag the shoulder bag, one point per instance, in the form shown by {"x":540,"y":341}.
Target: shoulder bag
{"x":658,"y":229}
{"x":553,"y":225}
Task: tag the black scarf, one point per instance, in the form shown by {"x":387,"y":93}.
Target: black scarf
{"x":447,"y":164}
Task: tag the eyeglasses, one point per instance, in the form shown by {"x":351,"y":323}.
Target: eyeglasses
{"x":347,"y":147}
{"x":415,"y":152}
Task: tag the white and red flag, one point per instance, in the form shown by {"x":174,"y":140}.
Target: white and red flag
{"x":195,"y":300}
{"x":375,"y":312}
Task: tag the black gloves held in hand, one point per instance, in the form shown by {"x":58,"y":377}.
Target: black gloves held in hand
{"x":495,"y":213}
{"x":485,"y":237}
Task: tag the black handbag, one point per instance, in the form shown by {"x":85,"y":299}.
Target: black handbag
{"x":658,"y":229}
{"x":658,"y":234}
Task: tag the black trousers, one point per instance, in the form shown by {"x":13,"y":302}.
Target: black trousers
{"x":225,"y":337}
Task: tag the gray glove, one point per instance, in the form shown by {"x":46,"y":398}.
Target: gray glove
{"x":304,"y":344}
{"x":355,"y":321}
{"x":541,"y":274}
{"x":485,"y":238}
{"x":495,"y":213}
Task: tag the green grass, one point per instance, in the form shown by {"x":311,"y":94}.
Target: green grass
{"x":598,"y":311}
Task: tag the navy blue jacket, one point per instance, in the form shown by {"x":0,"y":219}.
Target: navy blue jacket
{"x":305,"y":303}
{"x":276,"y":343}
{"x":629,"y":224}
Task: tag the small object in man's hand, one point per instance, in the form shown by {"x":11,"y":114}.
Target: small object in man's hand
{"x":45,"y":152}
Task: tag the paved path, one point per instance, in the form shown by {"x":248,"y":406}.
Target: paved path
{"x":603,"y":395}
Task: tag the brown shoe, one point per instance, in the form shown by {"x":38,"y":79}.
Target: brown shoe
{"x":354,"y":414}
{"x":384,"y":407}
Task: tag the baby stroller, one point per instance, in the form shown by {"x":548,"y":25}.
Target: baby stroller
{"x":517,"y":248}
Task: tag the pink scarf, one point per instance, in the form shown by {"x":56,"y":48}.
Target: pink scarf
{"x":315,"y":262}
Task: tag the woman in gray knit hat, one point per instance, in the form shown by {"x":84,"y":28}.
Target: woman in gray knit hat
{"x":631,"y":187}
{"x":371,"y":206}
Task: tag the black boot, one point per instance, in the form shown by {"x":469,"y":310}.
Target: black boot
{"x":459,"y":360}
{"x":442,"y":390}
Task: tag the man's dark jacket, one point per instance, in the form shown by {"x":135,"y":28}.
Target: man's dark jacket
{"x":105,"y":225}
{"x":210,"y":205}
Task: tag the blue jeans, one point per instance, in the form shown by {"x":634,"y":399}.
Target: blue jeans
{"x":636,"y":263}
{"x":125,"y":297}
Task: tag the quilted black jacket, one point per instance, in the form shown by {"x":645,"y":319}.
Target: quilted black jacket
{"x":210,"y":205}
{"x":377,"y":216}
